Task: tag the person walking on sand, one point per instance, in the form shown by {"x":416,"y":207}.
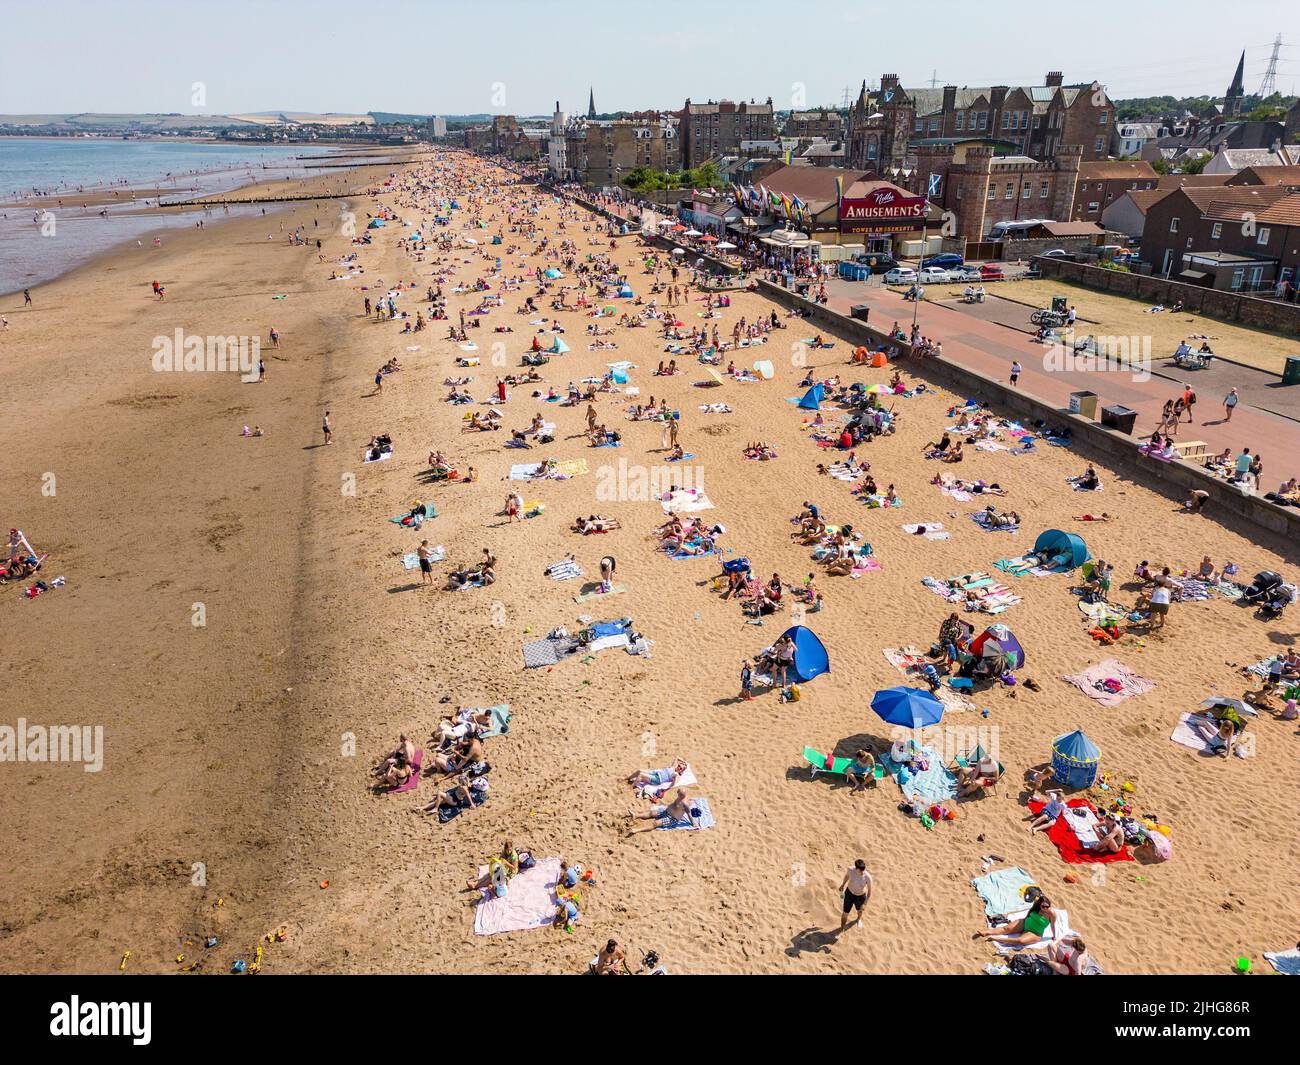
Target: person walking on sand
{"x":856,"y":888}
{"x":27,"y":297}
{"x":327,"y":429}
{"x":379,"y":380}
{"x":1230,"y":404}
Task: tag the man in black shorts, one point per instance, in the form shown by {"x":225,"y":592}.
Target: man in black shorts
{"x":857,"y":891}
{"x":426,"y":567}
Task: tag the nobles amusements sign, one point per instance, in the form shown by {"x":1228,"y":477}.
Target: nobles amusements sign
{"x":881,"y":210}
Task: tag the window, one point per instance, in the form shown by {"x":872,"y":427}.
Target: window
{"x":1011,"y":190}
{"x":1217,"y":231}
{"x":871,"y":150}
{"x":961,"y":119}
{"x":1025,"y":191}
{"x":959,"y":192}
{"x":1237,"y":276}
{"x":1262,"y":238}
{"x":1097,"y":146}
{"x":934,"y":125}
{"x":1173,"y":225}
{"x":1093,"y":207}
{"x":984,"y":120}
{"x":1044,"y":190}
{"x":993,"y":191}
{"x":920,"y":125}
{"x":1006,"y":119}
{"x":1101,"y":119}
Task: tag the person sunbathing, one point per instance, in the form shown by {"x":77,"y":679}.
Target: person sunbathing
{"x":1103,"y":516}
{"x":595,"y":523}
{"x":1088,"y":481}
{"x":610,"y":961}
{"x":1068,"y":957}
{"x":679,"y":809}
{"x":954,"y":454}
{"x":656,"y":778}
{"x":467,"y":722}
{"x":1039,"y":923}
{"x":1053,"y":809}
{"x":973,"y":777}
{"x":399,"y":771}
{"x":404,"y":752}
{"x":937,"y":446}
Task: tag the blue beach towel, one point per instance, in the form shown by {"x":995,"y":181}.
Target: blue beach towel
{"x":935,"y":784}
{"x":1002,"y":891}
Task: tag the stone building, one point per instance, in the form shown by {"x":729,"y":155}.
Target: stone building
{"x":709,"y":130}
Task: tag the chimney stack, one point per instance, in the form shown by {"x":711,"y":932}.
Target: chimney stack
{"x":949,"y":97}
{"x":1055,"y":78}
{"x":888,"y":81}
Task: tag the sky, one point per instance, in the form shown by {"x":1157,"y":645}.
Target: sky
{"x":520,"y":56}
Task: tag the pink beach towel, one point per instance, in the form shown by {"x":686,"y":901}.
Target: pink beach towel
{"x":414,"y":781}
{"x":1090,"y":681}
{"x":529,"y":901}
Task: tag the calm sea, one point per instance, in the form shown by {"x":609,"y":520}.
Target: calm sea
{"x":66,"y":166}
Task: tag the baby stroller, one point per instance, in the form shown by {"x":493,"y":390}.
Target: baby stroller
{"x":1262,"y":588}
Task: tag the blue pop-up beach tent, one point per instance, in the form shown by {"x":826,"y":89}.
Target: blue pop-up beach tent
{"x":1075,"y":759}
{"x":810,"y":657}
{"x":558,"y":347}
{"x":812,"y":399}
{"x":1061,"y":550}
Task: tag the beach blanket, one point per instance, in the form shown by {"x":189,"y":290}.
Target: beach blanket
{"x":500,"y":721}
{"x":1092,"y":682}
{"x":1286,"y":962}
{"x":1062,"y":929}
{"x":1191,"y":731}
{"x":686,"y":501}
{"x":540,"y":653}
{"x":933,"y":784}
{"x":564,"y":570}
{"x":383,"y":456}
{"x":910,"y":662}
{"x":597,"y":593}
{"x":408,"y":521}
{"x":529,"y":901}
{"x":703,"y":820}
{"x":684,"y":780}
{"x":1065,"y":834}
{"x":414,"y":781}
{"x":412,"y":560}
{"x":1003,"y":892}
{"x":981,"y":518}
{"x":931,"y":530}
{"x":603,"y":643}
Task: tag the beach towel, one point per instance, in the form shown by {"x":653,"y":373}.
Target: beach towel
{"x":414,"y":781}
{"x":1067,"y":840}
{"x":1003,"y":892}
{"x":1200,"y":733}
{"x":409,"y":522}
{"x":932,"y":530}
{"x":1286,"y":962}
{"x":1062,"y":930}
{"x":1092,"y":682}
{"x":933,"y":784}
{"x":564,"y":570}
{"x":703,"y":820}
{"x":383,"y":456}
{"x":684,"y":780}
{"x":500,"y":721}
{"x":412,"y":560}
{"x":686,"y":501}
{"x":604,"y":643}
{"x":597,"y":593}
{"x":529,"y":902}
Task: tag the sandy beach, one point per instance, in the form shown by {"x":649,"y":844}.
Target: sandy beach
{"x":235,"y":795}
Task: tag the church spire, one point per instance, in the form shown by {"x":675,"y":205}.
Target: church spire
{"x":1232,"y":101}
{"x":591,"y":103}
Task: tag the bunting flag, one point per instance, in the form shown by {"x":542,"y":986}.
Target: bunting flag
{"x":740,"y":196}
{"x":785,"y":204}
{"x":839,"y":187}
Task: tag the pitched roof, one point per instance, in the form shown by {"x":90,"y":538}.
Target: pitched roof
{"x":1240,"y":158}
{"x":1280,"y":174}
{"x":1229,"y":205}
{"x":1286,"y":212}
{"x":1168,"y":182}
{"x":1144,"y":198}
{"x":1072,"y":229}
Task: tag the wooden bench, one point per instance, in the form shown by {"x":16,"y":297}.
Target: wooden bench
{"x":1190,"y":449}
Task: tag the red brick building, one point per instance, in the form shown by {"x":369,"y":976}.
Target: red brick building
{"x":709,"y":130}
{"x":1102,"y":182}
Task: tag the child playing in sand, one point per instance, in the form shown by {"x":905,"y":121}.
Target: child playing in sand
{"x":746,"y":680}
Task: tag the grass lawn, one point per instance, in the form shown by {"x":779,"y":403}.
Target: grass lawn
{"x":1111,"y":315}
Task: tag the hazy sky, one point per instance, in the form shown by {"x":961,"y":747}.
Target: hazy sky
{"x":519,"y":56}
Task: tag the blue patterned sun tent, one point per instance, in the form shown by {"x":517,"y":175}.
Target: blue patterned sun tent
{"x":1075,"y":759}
{"x":1065,"y":550}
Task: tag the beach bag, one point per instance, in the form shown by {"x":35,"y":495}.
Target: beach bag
{"x":736,"y":565}
{"x":1030,"y":965}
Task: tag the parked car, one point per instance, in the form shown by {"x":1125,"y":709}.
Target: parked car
{"x":992,"y":272}
{"x":900,"y":275}
{"x":880,"y":264}
{"x":1055,"y":253}
{"x":934,"y":275}
{"x":944,"y":261}
{"x":965,"y":273}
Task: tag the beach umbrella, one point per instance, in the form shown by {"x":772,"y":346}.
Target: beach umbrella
{"x":876,"y":390}
{"x":678,"y":251}
{"x":708,"y":240}
{"x":999,"y":640}
{"x":1075,"y":759}
{"x":909,"y":707}
{"x":692,"y":232}
{"x":725,"y":245}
